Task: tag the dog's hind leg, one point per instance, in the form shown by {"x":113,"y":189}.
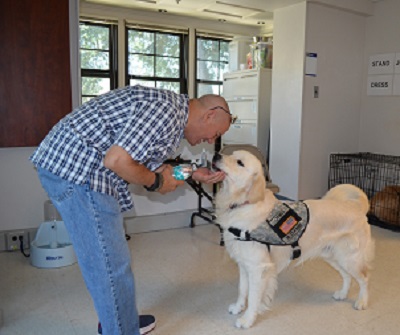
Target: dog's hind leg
{"x":257,"y":285}
{"x":240,"y":304}
{"x":361,"y":276}
{"x":353,"y":260}
{"x":342,"y":293}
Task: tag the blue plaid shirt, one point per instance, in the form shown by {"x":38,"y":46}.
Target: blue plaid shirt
{"x":148,"y":123}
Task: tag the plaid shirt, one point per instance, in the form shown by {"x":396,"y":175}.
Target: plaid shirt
{"x":148,"y":123}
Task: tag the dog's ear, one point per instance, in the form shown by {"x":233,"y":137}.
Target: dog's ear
{"x":257,"y":189}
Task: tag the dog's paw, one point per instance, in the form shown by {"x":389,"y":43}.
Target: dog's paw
{"x":235,"y":309}
{"x":361,"y":304}
{"x":244,"y":322}
{"x":339,"y":295}
{"x":263,"y":308}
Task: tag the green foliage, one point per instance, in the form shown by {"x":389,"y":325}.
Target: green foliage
{"x":150,"y":54}
{"x":95,"y":45}
{"x":95,"y":55}
{"x":153,"y":54}
{"x":212,"y":59}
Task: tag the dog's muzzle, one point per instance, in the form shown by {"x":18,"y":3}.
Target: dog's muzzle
{"x":216,"y":158}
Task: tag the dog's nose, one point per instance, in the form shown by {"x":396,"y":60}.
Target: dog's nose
{"x":217,"y":157}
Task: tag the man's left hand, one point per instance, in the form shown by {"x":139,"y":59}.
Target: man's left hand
{"x":206,"y":176}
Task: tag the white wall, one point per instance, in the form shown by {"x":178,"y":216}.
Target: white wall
{"x":330,"y":123}
{"x":305,"y":130}
{"x":22,"y":197}
{"x":380,"y":115}
{"x":286,"y":97}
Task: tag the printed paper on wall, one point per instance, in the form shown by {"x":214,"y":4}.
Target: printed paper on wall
{"x":380,"y":85}
{"x":381,"y":64}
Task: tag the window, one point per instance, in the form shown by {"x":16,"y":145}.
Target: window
{"x":156,"y":59}
{"x":98,"y":58}
{"x":212,"y":62}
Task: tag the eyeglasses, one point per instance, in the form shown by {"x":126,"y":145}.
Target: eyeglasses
{"x":233,"y":117}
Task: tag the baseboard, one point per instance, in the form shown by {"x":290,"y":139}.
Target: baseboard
{"x":142,"y":224}
{"x":138,"y":224}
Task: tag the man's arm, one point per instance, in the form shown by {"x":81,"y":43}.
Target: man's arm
{"x":120,"y":162}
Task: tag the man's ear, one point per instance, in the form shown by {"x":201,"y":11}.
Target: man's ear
{"x":210,"y":115}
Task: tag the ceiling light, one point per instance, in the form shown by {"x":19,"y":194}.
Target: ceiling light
{"x":148,"y":1}
{"x":239,"y":6}
{"x":221,"y":13}
{"x":260,"y":22}
{"x":162,"y":10}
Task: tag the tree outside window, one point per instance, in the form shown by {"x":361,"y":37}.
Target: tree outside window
{"x":212,"y":63}
{"x":97,"y":51}
{"x":155,"y":59}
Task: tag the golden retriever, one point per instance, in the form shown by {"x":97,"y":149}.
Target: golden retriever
{"x":337,"y":231}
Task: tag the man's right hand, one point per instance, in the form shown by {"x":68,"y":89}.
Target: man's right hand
{"x":170,"y":183}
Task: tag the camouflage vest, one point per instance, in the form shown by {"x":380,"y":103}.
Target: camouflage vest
{"x":285,"y":225}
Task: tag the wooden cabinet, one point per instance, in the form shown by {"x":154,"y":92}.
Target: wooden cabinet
{"x":248,"y":94}
{"x":35,"y":85}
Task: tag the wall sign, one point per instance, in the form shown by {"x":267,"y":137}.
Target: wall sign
{"x":380,"y":85}
{"x":381,"y":64}
{"x":311,"y":64}
{"x":397,"y":63}
{"x":384,"y":74}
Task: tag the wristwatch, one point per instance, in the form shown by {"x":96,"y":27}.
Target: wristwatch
{"x":158,"y":183}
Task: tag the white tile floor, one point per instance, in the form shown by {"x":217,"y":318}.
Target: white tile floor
{"x":187,"y":280}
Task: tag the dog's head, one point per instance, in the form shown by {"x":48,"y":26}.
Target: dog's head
{"x":245,"y":180}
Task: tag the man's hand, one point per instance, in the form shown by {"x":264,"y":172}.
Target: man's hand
{"x":170,"y":183}
{"x":206,"y":176}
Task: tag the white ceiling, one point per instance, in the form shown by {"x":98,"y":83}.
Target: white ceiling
{"x":248,"y":12}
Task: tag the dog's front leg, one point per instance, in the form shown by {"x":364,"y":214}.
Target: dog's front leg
{"x":257,"y":285}
{"x":237,"y":307}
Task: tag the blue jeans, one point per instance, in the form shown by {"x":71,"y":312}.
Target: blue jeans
{"x":95,"y":227}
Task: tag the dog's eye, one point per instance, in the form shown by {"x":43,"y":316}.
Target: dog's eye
{"x":240,"y":162}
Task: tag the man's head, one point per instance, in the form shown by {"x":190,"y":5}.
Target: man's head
{"x":209,"y":118}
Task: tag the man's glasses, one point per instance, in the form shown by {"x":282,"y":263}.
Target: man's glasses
{"x":233,"y":117}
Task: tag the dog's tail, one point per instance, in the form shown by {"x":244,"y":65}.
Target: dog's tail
{"x":349,"y":193}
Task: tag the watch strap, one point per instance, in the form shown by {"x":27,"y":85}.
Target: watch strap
{"x":158,"y":183}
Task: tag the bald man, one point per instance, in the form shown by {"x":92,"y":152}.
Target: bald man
{"x":86,"y":163}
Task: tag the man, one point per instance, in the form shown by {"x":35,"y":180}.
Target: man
{"x":87,"y":161}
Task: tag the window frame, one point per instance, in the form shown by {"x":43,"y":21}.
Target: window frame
{"x":112,"y":72}
{"x":183,"y":46}
{"x":203,"y":81}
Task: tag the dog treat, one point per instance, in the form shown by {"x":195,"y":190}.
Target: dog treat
{"x":183,"y":171}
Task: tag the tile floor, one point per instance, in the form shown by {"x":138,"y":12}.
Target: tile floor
{"x":187,"y":281}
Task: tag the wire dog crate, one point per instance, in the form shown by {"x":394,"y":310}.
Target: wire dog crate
{"x":378,"y":176}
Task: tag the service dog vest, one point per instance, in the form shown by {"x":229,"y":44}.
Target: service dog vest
{"x":285,"y":224}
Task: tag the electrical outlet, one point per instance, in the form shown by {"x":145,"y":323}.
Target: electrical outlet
{"x":316,"y":91}
{"x":13,"y":241}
